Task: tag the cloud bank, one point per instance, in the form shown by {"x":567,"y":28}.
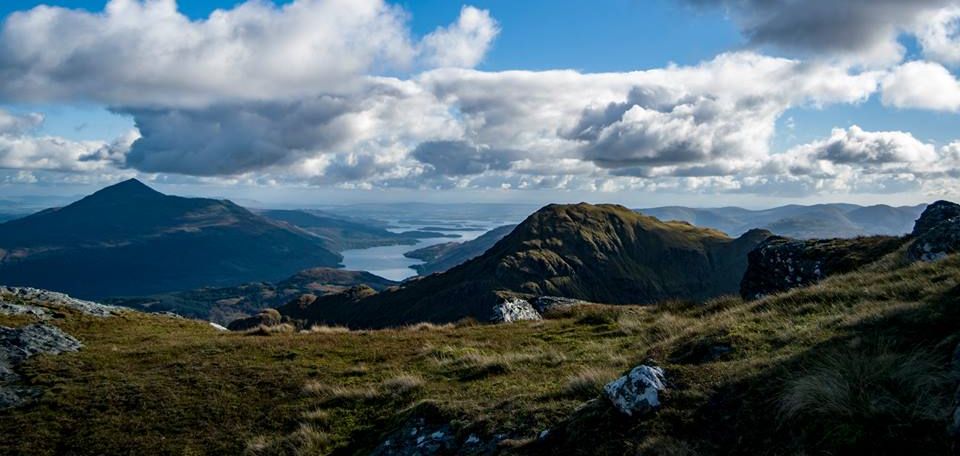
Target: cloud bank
{"x":341,"y":93}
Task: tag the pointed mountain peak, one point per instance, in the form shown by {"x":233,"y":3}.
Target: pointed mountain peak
{"x":128,"y":188}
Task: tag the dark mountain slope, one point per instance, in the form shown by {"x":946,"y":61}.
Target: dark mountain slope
{"x":129,"y":239}
{"x":604,"y":253}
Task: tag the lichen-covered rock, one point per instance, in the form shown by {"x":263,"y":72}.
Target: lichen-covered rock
{"x":19,"y":344}
{"x":514,"y":309}
{"x":779,"y":264}
{"x":934,"y":215}
{"x":638,"y":392}
{"x":7,"y":308}
{"x":544,"y":304}
{"x":418,"y":437}
{"x":936,"y":242}
{"x":55,"y":299}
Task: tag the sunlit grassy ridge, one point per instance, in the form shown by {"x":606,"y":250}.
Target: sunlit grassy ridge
{"x":859,"y":362}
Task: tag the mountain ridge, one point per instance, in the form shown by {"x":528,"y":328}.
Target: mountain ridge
{"x":818,"y":221}
{"x":599,"y":253}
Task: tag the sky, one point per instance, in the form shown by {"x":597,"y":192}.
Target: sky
{"x":641,"y":102}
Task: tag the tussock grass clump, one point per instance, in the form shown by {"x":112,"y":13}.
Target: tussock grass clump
{"x":402,"y":384}
{"x":318,"y":416}
{"x":471,"y":363}
{"x":330,"y":393}
{"x":588,"y":383}
{"x":324,"y":329}
{"x":427,"y":326}
{"x":307,"y":440}
{"x":867,"y":398}
{"x":264,"y":330}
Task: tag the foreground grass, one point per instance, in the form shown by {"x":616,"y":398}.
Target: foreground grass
{"x":771,"y":376}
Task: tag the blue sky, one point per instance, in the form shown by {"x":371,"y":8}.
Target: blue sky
{"x":850,"y":89}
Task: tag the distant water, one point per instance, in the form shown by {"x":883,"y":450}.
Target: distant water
{"x":388,"y":262}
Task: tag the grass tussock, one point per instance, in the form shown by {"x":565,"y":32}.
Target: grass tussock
{"x":334,"y":393}
{"x":324,"y":329}
{"x":264,"y":330}
{"x":849,"y":398}
{"x":472,"y":363}
{"x":588,"y":383}
{"x":307,"y":440}
{"x":397,"y":386}
{"x":402,"y":384}
{"x":427,"y":326}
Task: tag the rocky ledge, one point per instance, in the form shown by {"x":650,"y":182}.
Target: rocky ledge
{"x":42,"y":338}
{"x":937,"y":232}
{"x":19,"y":344}
{"x":779,"y":263}
{"x":10,"y":295}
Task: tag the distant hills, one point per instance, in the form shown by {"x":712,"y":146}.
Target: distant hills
{"x":802,"y":222}
{"x":128,"y":239}
{"x":440,"y":257}
{"x":225,"y":304}
{"x":601,"y":253}
{"x":341,"y":234}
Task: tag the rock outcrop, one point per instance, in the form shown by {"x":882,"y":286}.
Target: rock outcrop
{"x":934,"y":215}
{"x":19,"y":344}
{"x":514,"y":309}
{"x":937,"y":232}
{"x":418,"y":437}
{"x":266,"y":317}
{"x":7,"y":308}
{"x":638,"y":392}
{"x":779,"y":264}
{"x":545,"y":304}
{"x":53,"y":299}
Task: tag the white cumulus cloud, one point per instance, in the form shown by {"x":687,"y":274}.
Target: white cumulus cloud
{"x":464,"y":43}
{"x":921,"y":85}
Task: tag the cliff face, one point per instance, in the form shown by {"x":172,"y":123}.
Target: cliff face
{"x":780,"y":264}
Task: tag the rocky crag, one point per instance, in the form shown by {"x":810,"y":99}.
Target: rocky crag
{"x":779,"y":263}
{"x":43,"y":338}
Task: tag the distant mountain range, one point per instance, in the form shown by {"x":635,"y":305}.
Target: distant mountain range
{"x":803,"y":222}
{"x":440,"y":257}
{"x":602,"y":253}
{"x":341,"y":234}
{"x":128,"y":239}
{"x":223,"y":305}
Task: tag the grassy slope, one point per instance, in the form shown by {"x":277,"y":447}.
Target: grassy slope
{"x":152,"y":385}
